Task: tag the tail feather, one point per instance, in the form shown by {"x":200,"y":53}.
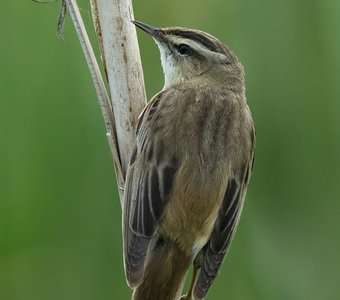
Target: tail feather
{"x":164,"y":274}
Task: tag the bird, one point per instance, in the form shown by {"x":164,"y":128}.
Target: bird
{"x":189,"y":168}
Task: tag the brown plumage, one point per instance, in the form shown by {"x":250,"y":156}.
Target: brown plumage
{"x":189,"y":169}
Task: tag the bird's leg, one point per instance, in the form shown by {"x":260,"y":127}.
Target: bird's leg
{"x":188,"y":296}
{"x":196,"y":266}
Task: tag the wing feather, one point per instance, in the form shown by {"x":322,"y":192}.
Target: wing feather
{"x":225,"y":226}
{"x":148,"y":186}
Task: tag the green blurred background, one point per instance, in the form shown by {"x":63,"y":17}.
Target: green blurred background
{"x":60,"y":223}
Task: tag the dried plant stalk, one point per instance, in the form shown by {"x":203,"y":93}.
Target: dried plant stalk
{"x":99,"y":84}
{"x":121,"y":57}
{"x":118,"y":44}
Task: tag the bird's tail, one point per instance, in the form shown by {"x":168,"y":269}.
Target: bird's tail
{"x":164,"y":274}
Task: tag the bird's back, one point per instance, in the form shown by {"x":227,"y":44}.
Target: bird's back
{"x":203,"y":127}
{"x":200,"y":133}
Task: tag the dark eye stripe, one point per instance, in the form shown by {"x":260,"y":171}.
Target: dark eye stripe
{"x":184,"y":50}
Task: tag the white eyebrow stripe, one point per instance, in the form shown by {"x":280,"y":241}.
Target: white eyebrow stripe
{"x":196,"y":46}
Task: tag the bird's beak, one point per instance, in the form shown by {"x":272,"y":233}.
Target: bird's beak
{"x":153,"y":31}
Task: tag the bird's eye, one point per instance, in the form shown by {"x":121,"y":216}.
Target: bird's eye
{"x":184,"y":49}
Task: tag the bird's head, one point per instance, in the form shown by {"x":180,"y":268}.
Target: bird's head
{"x":189,"y":53}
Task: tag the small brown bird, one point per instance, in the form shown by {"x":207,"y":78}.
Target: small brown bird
{"x":189,"y":168}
